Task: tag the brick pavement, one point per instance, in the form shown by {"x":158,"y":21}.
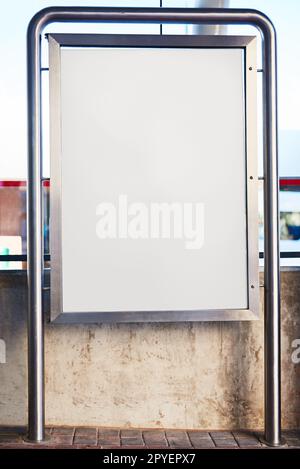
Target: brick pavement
{"x":106,"y":438}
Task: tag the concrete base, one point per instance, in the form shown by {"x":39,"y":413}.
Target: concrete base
{"x":196,"y":375}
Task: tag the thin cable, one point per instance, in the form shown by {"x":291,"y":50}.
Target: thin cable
{"x":160,"y":26}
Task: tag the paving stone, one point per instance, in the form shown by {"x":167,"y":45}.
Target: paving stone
{"x":63,"y":431}
{"x":244,"y":434}
{"x":131,"y":433}
{"x":133,"y":446}
{"x":176,"y":433}
{"x":203,"y":443}
{"x":179,"y":443}
{"x":9,"y":446}
{"x":16,"y":430}
{"x":248,"y":442}
{"x":10,"y":438}
{"x":260,"y":437}
{"x":201,"y":440}
{"x":108,"y":432}
{"x":85,"y":440}
{"x":155,"y":438}
{"x":61,"y":439}
{"x":132,"y":441}
{"x":291,"y":433}
{"x":199,"y":434}
{"x":156,"y":446}
{"x":221,"y":435}
{"x":225,"y":443}
{"x":108,"y":437}
{"x":178,"y":439}
{"x":86,"y":431}
{"x":110,"y":446}
{"x":132,"y":437}
{"x":55,"y":446}
{"x":115,"y":441}
{"x":292,"y":438}
{"x":295,"y":442}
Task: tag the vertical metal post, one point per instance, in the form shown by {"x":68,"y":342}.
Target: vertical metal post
{"x":34,"y":212}
{"x":271,"y":244}
{"x":211,"y":28}
{"x":36,"y":412}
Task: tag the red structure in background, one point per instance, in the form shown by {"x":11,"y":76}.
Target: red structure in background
{"x":20,"y":183}
{"x":286,"y":184}
{"x":289,"y":184}
{"x":13,"y":208}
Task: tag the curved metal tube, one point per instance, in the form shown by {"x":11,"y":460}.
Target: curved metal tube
{"x":34,"y":206}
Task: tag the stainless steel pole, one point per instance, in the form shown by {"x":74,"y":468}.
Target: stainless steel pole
{"x":272,"y":338}
{"x":214,"y":28}
{"x":36,"y":399}
{"x":35,"y":251}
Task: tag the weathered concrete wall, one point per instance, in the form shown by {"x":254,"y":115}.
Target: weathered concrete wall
{"x":197,"y":375}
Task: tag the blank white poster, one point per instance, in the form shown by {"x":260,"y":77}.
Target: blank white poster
{"x":153,"y":179}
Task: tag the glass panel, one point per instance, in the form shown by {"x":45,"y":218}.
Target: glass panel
{"x":289,"y":204}
{"x":290,"y":224}
{"x":13,"y":221}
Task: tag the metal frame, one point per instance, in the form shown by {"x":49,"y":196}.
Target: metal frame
{"x":36,"y":400}
{"x":245,"y":43}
